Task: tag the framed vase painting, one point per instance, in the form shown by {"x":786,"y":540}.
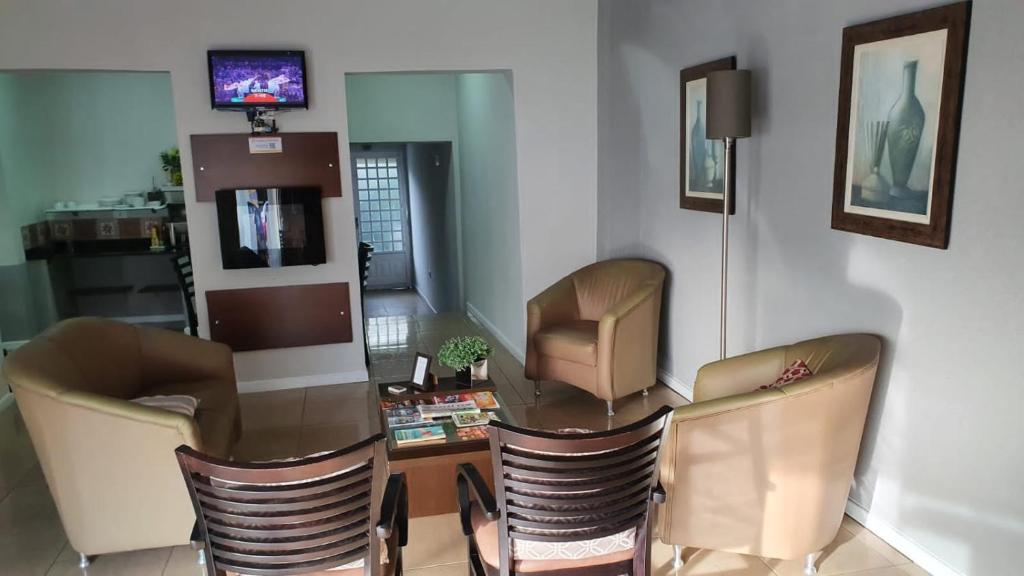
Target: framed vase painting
{"x":899,"y":121}
{"x":702,"y":162}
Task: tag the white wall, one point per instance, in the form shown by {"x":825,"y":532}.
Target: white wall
{"x":492,"y":226}
{"x":432,"y":219}
{"x":941,"y":463}
{"x":549,"y":46}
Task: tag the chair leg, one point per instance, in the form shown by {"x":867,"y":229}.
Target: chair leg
{"x":536,"y":388}
{"x":645,"y":392}
{"x":83,"y":561}
{"x":809,"y":564}
{"x":611,"y":412}
{"x":677,"y":556}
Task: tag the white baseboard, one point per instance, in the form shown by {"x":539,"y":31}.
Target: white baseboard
{"x":482,"y":320}
{"x":893,"y":537}
{"x":249,"y":386}
{"x":678,"y":386}
{"x":430,"y":304}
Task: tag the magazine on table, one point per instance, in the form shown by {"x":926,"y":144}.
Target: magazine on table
{"x":484,"y":400}
{"x":420,"y":435}
{"x":472,"y":433}
{"x":468,"y":420}
{"x":430,"y":411}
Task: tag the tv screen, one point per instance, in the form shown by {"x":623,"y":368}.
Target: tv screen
{"x":270,"y":227}
{"x":257,"y":79}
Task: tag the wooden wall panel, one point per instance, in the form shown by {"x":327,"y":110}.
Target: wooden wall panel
{"x":223,"y":161}
{"x":280,"y":316}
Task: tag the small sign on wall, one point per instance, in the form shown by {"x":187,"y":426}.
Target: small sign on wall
{"x":265,"y":145}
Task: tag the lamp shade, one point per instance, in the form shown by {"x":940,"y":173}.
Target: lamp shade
{"x":728,"y":104}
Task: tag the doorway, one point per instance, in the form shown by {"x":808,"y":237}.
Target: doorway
{"x":382,"y":213}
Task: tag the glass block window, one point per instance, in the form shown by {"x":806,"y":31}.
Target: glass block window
{"x":380,"y":204}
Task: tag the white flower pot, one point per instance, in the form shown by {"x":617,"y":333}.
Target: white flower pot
{"x":478,"y":370}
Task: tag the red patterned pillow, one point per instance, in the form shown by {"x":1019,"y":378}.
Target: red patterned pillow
{"x":796,"y":372}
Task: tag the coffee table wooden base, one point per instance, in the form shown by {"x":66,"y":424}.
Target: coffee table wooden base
{"x":431,"y":480}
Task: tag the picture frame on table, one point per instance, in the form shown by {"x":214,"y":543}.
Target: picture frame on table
{"x":900,"y":94}
{"x":702,"y":162}
{"x":420,"y":378}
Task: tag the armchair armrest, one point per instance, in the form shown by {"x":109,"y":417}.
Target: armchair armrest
{"x":627,"y":343}
{"x":394,"y":509}
{"x":469,"y":483}
{"x":739,"y":374}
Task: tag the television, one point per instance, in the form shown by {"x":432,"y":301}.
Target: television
{"x":246,"y":79}
{"x":270,"y":227}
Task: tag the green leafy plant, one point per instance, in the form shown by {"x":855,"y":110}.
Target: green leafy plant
{"x":171,"y":161}
{"x":459,"y":352}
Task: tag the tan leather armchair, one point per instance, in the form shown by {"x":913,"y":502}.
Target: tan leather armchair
{"x":768,"y":472}
{"x":110,"y":463}
{"x":597,"y":329}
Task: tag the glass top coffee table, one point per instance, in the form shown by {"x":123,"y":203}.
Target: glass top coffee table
{"x":456,"y":439}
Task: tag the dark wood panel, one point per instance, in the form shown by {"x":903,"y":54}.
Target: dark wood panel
{"x":431,"y":481}
{"x":223,"y":161}
{"x":280,"y":316}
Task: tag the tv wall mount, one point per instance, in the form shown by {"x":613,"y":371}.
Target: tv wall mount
{"x":262,"y":120}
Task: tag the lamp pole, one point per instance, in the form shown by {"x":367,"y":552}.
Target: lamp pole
{"x":725,"y":242}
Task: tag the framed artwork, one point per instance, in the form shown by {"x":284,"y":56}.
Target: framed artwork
{"x":702,"y":162}
{"x":899,"y":121}
{"x":420,"y":378}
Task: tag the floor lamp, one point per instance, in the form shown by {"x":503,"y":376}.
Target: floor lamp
{"x":728,"y":118}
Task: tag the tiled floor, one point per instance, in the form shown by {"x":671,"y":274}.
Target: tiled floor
{"x":295,"y":422}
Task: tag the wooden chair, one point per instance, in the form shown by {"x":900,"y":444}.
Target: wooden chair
{"x":326,"y":514}
{"x":182,"y":263}
{"x":567,"y":504}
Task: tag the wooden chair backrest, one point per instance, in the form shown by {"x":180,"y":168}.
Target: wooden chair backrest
{"x":289,"y":517}
{"x":554,"y":487}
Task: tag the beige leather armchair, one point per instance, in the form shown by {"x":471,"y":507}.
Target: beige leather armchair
{"x":109,"y":462}
{"x":768,"y":472}
{"x":597,"y":329}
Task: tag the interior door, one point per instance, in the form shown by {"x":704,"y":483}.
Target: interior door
{"x":382,"y":213}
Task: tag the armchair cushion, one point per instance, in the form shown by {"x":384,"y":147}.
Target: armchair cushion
{"x":180,"y":403}
{"x":533,"y":556}
{"x":574,"y":341}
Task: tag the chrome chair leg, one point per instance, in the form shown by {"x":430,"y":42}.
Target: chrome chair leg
{"x":201,"y":557}
{"x":536,"y":388}
{"x":809,"y":564}
{"x":645,"y":392}
{"x":83,"y":561}
{"x":610,"y":411}
{"x":677,"y":556}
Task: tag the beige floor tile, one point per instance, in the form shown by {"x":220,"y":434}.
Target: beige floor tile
{"x":183,"y":563}
{"x":445,"y":570}
{"x":277,"y":409}
{"x":141,"y":563}
{"x":844,"y":555}
{"x":706,"y":563}
{"x":434,"y":541}
{"x":16,"y":454}
{"x":905,"y":570}
{"x":335,"y":404}
{"x":313,"y":439}
{"x":268,"y":444}
{"x":31,"y":536}
{"x":877,"y":544}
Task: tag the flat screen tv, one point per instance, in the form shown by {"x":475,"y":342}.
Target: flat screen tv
{"x":242,"y":79}
{"x":270,"y":227}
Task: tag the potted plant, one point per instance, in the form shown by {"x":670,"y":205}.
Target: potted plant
{"x":171,"y":161}
{"x":467,"y":355}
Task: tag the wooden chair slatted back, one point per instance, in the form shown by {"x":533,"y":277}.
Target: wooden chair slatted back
{"x":574,"y":487}
{"x":289,"y":517}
